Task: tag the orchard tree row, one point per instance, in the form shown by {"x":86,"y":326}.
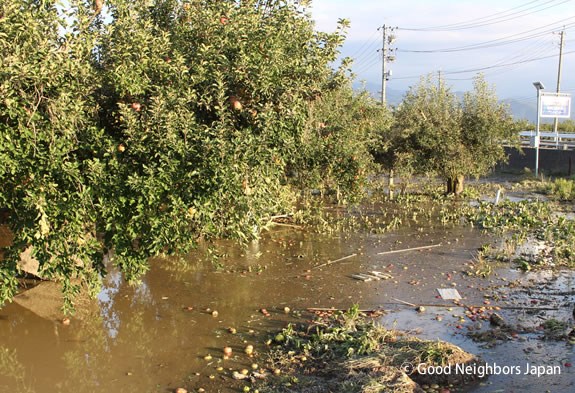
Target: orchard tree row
{"x":131,"y":128}
{"x":140,"y":127}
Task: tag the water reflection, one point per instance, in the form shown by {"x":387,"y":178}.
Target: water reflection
{"x":154,"y":336}
{"x":12,"y":372}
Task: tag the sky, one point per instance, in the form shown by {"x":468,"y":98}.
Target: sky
{"x":533,"y":26}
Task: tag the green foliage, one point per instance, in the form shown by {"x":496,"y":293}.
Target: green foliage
{"x":48,"y":131}
{"x":435,"y":133}
{"x":563,"y":126}
{"x":528,"y":220}
{"x":346,"y":334}
{"x":343,"y":131}
{"x":435,"y":353}
{"x":562,"y":189}
{"x":174,"y":121}
{"x":347,"y":352}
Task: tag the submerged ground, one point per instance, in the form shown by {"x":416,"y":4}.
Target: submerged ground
{"x":164,"y":333}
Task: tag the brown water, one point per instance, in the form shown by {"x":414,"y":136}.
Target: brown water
{"x":145,"y":339}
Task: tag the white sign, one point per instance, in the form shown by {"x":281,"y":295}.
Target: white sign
{"x":553,"y":105}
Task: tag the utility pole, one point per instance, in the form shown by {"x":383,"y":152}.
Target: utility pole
{"x":556,"y":121}
{"x":383,"y":74}
{"x":386,"y":56}
{"x":388,"y":38}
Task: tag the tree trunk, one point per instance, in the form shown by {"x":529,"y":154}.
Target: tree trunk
{"x":455,"y":185}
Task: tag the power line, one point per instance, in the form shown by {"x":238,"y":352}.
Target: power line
{"x":529,"y":51}
{"x":371,"y":38}
{"x":522,"y":36}
{"x":490,"y":67}
{"x":368,"y":51}
{"x":368,"y":66}
{"x":468,"y":21}
{"x":491,"y":19}
{"x":508,"y":64}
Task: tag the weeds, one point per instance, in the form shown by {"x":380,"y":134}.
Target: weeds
{"x":563,"y":189}
{"x":531,"y":221}
{"x":346,"y":352}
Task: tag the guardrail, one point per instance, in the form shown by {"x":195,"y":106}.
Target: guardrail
{"x":549,"y":140}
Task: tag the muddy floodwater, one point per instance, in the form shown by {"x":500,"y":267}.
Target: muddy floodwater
{"x":155,"y":337}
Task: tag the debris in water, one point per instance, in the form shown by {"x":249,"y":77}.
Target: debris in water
{"x":449,"y":294}
{"x":239,"y":376}
{"x":496,"y":319}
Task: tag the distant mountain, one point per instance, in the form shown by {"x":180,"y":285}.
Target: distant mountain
{"x":528,"y":111}
{"x":520,"y":110}
{"x":392,"y":96}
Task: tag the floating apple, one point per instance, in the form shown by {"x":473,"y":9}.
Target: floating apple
{"x":249,"y":349}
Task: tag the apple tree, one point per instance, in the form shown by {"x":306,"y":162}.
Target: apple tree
{"x":344,"y":131}
{"x":134,"y":128}
{"x":48,"y":139}
{"x":435,"y":133}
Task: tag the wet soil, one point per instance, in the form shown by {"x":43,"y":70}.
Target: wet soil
{"x":154,"y":337}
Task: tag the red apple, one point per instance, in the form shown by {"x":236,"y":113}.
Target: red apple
{"x":236,"y":104}
{"x":136,"y":106}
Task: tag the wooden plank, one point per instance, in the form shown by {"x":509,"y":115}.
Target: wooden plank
{"x":381,"y":275}
{"x":360,"y":277}
{"x":408,"y":249}
{"x":334,"y":261}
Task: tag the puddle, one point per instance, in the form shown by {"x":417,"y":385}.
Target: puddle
{"x":154,"y":337}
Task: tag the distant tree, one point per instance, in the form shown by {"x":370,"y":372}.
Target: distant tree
{"x":435,"y":133}
{"x":563,"y":126}
{"x":343,"y":132}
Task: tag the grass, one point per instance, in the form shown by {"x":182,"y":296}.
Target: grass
{"x":532,"y":221}
{"x":554,"y":329}
{"x":563,"y":189}
{"x":347,"y":352}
